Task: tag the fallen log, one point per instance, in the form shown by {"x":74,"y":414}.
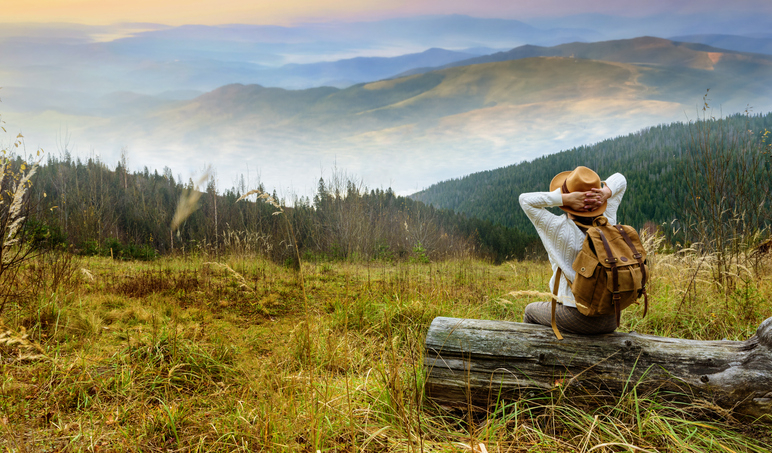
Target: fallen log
{"x":475,"y":363}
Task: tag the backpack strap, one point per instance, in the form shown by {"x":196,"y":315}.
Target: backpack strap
{"x":555,"y":287}
{"x":612,"y":260}
{"x":555,"y":303}
{"x":638,"y":257}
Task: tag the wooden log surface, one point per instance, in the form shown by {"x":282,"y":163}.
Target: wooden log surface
{"x":477,"y":362}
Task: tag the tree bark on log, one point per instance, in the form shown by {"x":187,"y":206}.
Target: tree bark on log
{"x":475,"y":363}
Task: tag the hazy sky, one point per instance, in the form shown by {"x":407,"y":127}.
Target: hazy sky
{"x":287,"y":12}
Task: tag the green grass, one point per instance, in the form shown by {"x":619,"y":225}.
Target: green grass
{"x":180,"y":355}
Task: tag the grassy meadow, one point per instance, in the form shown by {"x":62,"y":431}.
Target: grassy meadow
{"x":235,"y":353}
{"x":246,"y":331}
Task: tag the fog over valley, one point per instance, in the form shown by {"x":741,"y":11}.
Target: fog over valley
{"x":399,"y":102}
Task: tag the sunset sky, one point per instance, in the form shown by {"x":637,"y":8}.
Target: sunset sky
{"x":288,"y":12}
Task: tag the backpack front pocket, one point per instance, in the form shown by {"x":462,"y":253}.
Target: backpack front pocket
{"x":590,"y":279}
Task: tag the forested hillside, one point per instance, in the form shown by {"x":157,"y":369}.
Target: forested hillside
{"x":93,"y":209}
{"x":654,"y":161}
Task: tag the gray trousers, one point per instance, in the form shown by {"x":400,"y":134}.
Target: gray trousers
{"x":568,"y":319}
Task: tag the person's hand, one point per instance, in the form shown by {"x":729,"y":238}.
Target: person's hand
{"x":586,"y":201}
{"x":575,"y":200}
{"x":596,"y":197}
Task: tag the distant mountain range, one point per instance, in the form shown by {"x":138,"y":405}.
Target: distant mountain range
{"x":411,"y":131}
{"x":151,"y":58}
{"x":347,"y":72}
{"x":650,"y":69}
{"x":651,"y":51}
{"x":340,"y":74}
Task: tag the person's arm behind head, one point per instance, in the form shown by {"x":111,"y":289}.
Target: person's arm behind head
{"x":617,"y":184}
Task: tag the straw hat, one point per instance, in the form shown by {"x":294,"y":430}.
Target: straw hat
{"x":581,"y":179}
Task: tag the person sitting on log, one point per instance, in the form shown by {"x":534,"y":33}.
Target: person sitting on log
{"x":583,"y":197}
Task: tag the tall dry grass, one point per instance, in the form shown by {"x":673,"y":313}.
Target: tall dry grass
{"x":178,"y":355}
{"x":15,"y":176}
{"x":725,"y":208}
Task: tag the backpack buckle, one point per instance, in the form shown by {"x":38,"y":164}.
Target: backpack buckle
{"x":637,"y":256}
{"x":611,"y":261}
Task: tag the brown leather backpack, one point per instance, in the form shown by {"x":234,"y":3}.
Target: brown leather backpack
{"x":611,"y":271}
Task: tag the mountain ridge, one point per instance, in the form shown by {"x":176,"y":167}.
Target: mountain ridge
{"x":681,"y":54}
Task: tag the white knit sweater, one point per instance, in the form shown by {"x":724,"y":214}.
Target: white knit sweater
{"x":560,"y":236}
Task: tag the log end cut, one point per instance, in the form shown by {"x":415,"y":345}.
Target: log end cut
{"x":764,"y":333}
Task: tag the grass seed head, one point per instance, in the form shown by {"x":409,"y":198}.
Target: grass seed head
{"x":188,"y":201}
{"x":263,"y":196}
